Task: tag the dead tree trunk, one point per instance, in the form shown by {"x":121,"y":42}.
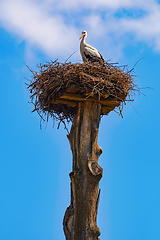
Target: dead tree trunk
{"x":80,"y":217}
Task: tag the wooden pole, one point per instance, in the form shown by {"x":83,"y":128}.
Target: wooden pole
{"x":79,"y":222}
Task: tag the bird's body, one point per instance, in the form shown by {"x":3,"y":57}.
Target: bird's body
{"x":88,"y":52}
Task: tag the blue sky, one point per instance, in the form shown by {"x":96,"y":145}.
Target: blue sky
{"x":35,"y":163}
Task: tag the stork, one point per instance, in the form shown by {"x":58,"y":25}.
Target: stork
{"x":88,"y":52}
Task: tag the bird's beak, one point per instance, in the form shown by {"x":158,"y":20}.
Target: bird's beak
{"x":81,"y":36}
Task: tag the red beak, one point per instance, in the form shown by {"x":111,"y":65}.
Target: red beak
{"x":81,"y":36}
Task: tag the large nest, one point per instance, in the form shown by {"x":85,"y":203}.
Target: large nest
{"x":56,"y":88}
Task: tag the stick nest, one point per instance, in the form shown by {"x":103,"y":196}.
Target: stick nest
{"x":56,"y":88}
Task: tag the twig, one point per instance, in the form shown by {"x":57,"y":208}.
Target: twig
{"x":135,"y":65}
{"x":70,"y":56}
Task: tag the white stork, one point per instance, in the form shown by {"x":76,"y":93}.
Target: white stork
{"x":88,"y":52}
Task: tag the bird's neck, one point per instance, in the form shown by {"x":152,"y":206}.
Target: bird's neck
{"x":83,"y":39}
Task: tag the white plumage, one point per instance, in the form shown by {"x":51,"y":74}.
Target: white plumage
{"x":88,"y":52}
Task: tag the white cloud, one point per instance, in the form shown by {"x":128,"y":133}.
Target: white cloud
{"x":55,"y":26}
{"x":32,"y":23}
{"x":99,"y":4}
{"x":146,"y":29}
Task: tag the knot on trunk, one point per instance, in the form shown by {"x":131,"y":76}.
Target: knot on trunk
{"x":68,"y":221}
{"x":95,"y":168}
{"x":95,"y":231}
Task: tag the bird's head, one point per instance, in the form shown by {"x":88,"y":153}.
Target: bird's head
{"x":84,"y":34}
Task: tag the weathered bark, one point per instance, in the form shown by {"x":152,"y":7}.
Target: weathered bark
{"x":80,"y":218}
